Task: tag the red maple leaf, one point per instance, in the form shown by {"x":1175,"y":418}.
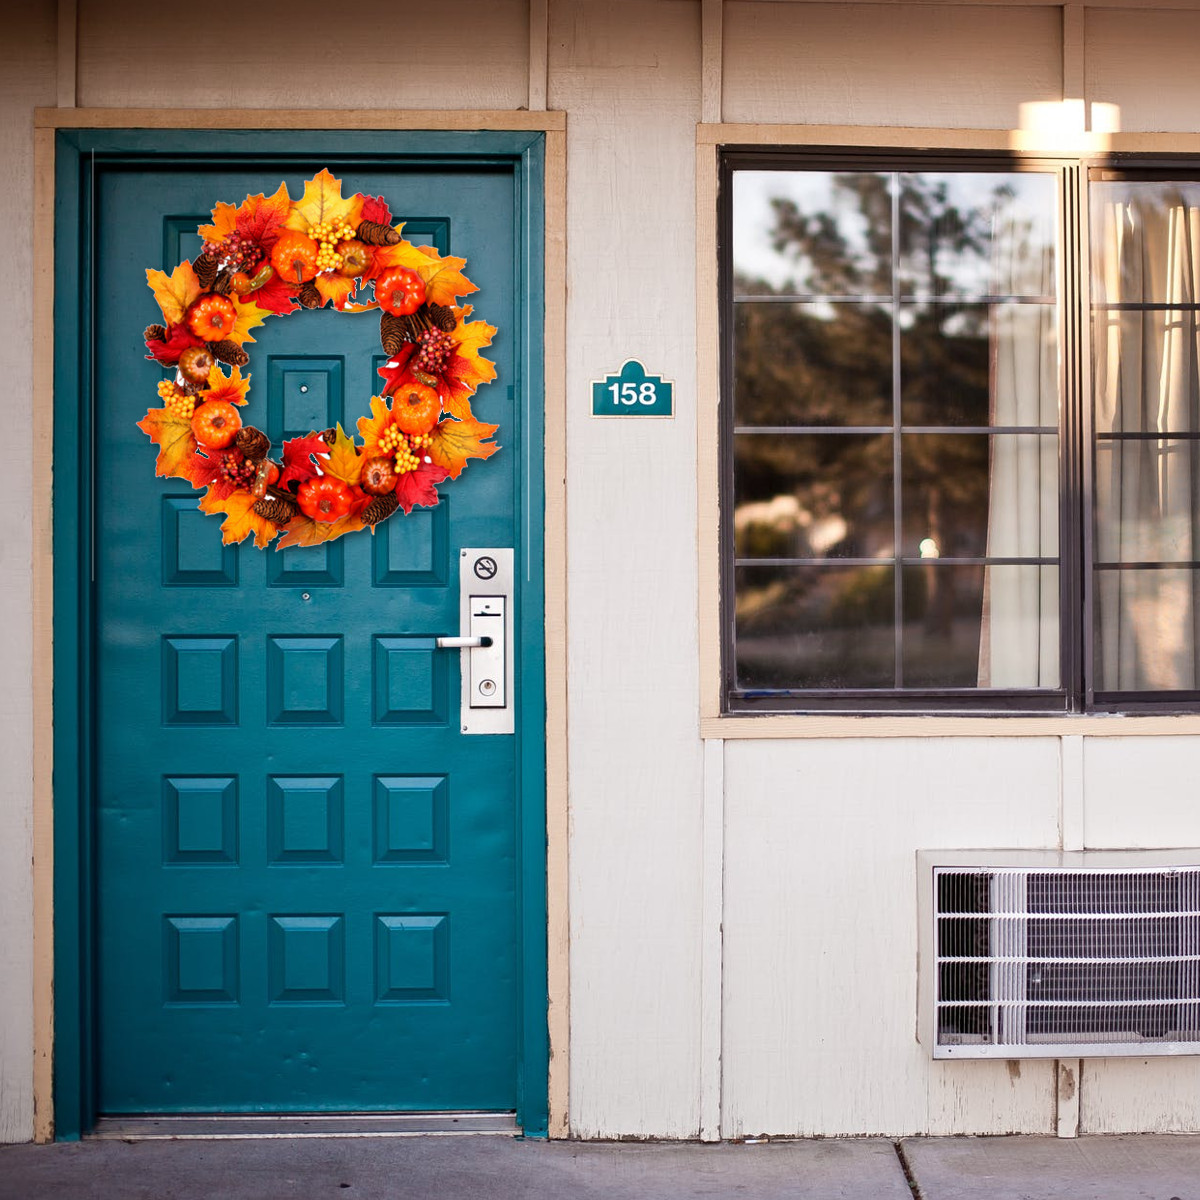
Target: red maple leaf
{"x":179,"y":338}
{"x":395,"y":370}
{"x":276,"y":295}
{"x":419,"y":487}
{"x":375,"y":209}
{"x":298,"y":458}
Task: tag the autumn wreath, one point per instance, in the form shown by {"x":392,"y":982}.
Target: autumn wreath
{"x":270,"y":257}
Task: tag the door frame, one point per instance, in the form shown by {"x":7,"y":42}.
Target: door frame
{"x":69,"y":143}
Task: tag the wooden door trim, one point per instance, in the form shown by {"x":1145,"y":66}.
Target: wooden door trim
{"x":60,"y":727}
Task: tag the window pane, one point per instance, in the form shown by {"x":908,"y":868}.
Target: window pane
{"x":1145,"y":239}
{"x":1146,"y":371}
{"x":1146,"y":501}
{"x":978,"y":364}
{"x":812,"y":364}
{"x":815,"y":627}
{"x":949,"y":510}
{"x":813,"y":496}
{"x":977,"y":233}
{"x":1145,"y":630}
{"x":813,"y":232}
{"x":942,"y":613}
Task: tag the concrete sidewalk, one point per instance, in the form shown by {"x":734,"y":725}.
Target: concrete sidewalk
{"x":477,"y":1167}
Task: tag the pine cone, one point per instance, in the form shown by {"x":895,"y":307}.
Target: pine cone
{"x":229,"y":353}
{"x":393,"y":332}
{"x":155,"y":333}
{"x":329,"y":436}
{"x":309,"y":296}
{"x":443,"y":317}
{"x":206,"y":268}
{"x":380,"y":508}
{"x":376,"y":234}
{"x":222,"y":283}
{"x":253,"y":443}
{"x":276,"y":510}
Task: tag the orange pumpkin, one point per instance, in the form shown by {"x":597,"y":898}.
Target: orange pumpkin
{"x":211,"y":317}
{"x":215,"y":424}
{"x":295,"y":257}
{"x":416,"y":408}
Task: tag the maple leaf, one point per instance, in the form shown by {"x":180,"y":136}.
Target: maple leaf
{"x":395,"y":371}
{"x":417,"y":488}
{"x":456,"y":441}
{"x":175,"y":440}
{"x":297,"y":458}
{"x":371,"y":428}
{"x":261,"y":219}
{"x":322,"y":201}
{"x":375,"y":209}
{"x":276,"y":296}
{"x":343,"y":462}
{"x":444,"y":280}
{"x":304,"y":531}
{"x":224,"y":223}
{"x":174,"y":292}
{"x":179,"y":338}
{"x":249,"y":316}
{"x":231,"y":388}
{"x":402,"y":254}
{"x":334,"y":287}
{"x":205,"y":472}
{"x":240,"y":518}
{"x":466,"y":369}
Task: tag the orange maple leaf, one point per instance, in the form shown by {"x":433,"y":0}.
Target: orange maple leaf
{"x":466,"y":369}
{"x":232,"y":388}
{"x":177,"y":444}
{"x":322,"y":201}
{"x":224,"y":223}
{"x":402,"y":254}
{"x":337,"y":288}
{"x":444,"y":280}
{"x":174,"y":292}
{"x":303,"y":531}
{"x":249,"y":316}
{"x":371,"y":428}
{"x":456,"y":441}
{"x":240,"y":518}
{"x":262,"y":218}
{"x":343,"y":462}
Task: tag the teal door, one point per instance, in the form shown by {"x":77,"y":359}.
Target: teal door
{"x":312,"y":891}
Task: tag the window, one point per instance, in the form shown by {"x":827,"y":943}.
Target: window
{"x":920,"y":507}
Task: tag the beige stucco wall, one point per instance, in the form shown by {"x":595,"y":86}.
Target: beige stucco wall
{"x":804,"y":1020}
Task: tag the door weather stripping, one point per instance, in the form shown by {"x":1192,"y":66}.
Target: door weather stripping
{"x":293,"y":1125}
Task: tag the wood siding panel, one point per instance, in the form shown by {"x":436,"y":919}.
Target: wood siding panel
{"x":628,"y":73}
{"x":1141,"y":794}
{"x":377,"y":54}
{"x":820,"y":931}
{"x":838,"y":64}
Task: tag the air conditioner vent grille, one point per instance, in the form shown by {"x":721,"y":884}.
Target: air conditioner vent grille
{"x":1035,"y":961}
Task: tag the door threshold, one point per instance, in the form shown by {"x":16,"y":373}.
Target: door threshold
{"x":295,"y":1125}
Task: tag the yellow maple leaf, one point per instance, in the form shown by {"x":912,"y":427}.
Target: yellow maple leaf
{"x":303,"y":531}
{"x":444,"y":280}
{"x":343,"y":462}
{"x":175,"y":292}
{"x":232,"y":387}
{"x":224,"y":223}
{"x":402,"y":254}
{"x":249,"y":316}
{"x":336,"y":288}
{"x":240,"y":518}
{"x":322,"y":201}
{"x":175,"y":440}
{"x":456,"y":441}
{"x":371,"y":428}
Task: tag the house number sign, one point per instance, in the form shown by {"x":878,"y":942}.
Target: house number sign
{"x":633,"y":393}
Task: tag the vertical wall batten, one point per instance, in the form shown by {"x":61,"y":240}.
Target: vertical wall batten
{"x":68,"y":53}
{"x":711,"y":974}
{"x":539,"y":53}
{"x":711,"y":59}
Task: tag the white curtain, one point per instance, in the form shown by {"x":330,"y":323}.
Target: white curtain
{"x":1019,"y":638}
{"x":1147,"y":250}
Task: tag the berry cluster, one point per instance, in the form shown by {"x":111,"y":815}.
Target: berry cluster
{"x":327,"y":234}
{"x":433,"y":352}
{"x":237,"y":470}
{"x":235,"y":253}
{"x":393,"y":441}
{"x":178,"y":403}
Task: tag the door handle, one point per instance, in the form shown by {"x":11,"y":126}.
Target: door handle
{"x":462,"y":643}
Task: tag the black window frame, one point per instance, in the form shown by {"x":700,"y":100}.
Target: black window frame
{"x":1076,"y":694}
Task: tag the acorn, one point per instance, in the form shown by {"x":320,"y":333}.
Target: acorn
{"x":380,"y":508}
{"x":195,"y":363}
{"x":378,"y":475}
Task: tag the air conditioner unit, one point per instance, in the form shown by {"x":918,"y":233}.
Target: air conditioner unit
{"x":1052,"y":954}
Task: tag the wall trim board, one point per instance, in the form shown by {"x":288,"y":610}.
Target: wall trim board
{"x":553,"y":235}
{"x":313,"y":118}
{"x":743,"y":726}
